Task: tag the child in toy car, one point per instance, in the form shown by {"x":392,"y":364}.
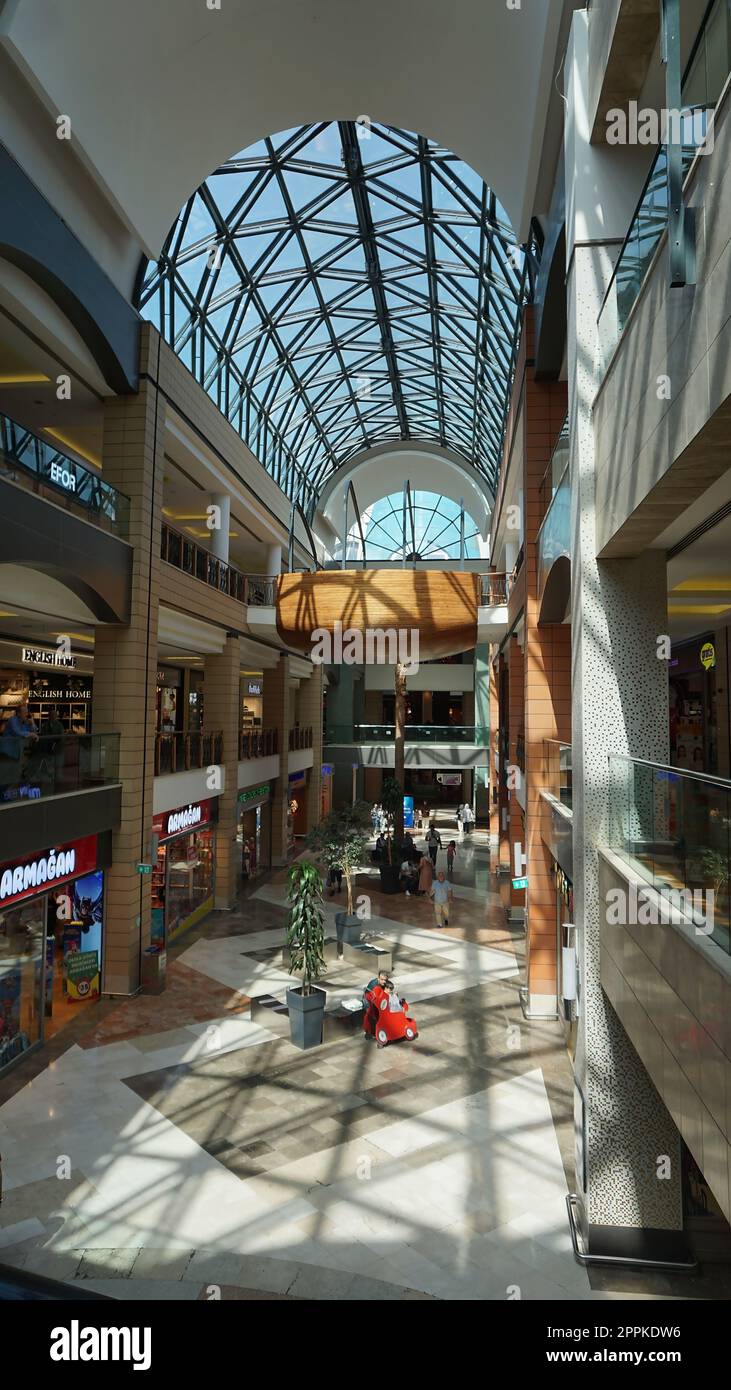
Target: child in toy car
{"x":388,"y":1017}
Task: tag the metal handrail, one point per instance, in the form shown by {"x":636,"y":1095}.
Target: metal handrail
{"x":258,"y":743}
{"x":300,"y":739}
{"x":676,"y":771}
{"x":188,"y":751}
{"x":184,"y":554}
{"x":494,"y":588}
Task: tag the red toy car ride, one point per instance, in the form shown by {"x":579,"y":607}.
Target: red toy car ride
{"x":388,"y":1018}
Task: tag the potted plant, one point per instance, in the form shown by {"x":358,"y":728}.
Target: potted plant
{"x":341,"y":842}
{"x":306,"y":940}
{"x":392,"y":800}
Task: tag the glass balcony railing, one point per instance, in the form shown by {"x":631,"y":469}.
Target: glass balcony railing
{"x":556,"y":470}
{"x":31,"y":462}
{"x":703,"y":82}
{"x":52,"y":764}
{"x":414,"y":733}
{"x":556,"y":774}
{"x":674,"y":828}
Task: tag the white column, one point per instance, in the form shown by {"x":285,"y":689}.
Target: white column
{"x":274,"y":559}
{"x":222,"y":518}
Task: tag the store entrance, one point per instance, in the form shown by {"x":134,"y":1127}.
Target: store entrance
{"x":50,"y":950}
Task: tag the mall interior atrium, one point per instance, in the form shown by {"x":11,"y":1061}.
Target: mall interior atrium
{"x":365,"y":650}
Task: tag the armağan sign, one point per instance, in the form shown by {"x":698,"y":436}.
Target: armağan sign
{"x":191,"y":817}
{"x":44,"y":871}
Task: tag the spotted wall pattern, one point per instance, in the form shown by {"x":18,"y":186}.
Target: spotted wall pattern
{"x":619,"y":706}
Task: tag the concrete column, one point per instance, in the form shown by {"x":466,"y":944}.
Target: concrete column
{"x":222,"y":673}
{"x":219,"y":534}
{"x":125,"y":671}
{"x":278,"y":706}
{"x":619,"y":700}
{"x":274,"y":559}
{"x":310,"y":705}
{"x":340,"y":706}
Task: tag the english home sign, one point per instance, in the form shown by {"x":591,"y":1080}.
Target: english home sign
{"x":45,"y":656}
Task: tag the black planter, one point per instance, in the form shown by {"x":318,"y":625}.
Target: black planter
{"x":390,"y":878}
{"x":306,"y":1014}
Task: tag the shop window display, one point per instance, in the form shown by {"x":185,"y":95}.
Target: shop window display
{"x":21,"y":977}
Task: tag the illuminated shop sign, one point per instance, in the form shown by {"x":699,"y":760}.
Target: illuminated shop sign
{"x":183,"y":819}
{"x":63,"y":477}
{"x":254,"y":794}
{"x":45,"y":656}
{"x":40,"y":872}
{"x":708,"y":655}
{"x":253,"y":687}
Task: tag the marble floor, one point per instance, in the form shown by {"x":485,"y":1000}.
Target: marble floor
{"x":182,"y":1148}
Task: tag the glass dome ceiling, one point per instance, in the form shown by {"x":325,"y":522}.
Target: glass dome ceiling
{"x":341,"y":286}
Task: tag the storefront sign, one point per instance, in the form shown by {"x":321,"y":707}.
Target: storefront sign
{"x":296,"y":778}
{"x":60,"y":692}
{"x":45,"y":656}
{"x":708,"y":655}
{"x":63,"y":477}
{"x":41,"y":872}
{"x":253,"y":688}
{"x":254,"y":794}
{"x":170,"y":676}
{"x":183,"y":819}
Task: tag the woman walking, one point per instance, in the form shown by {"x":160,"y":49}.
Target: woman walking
{"x":426,"y":875}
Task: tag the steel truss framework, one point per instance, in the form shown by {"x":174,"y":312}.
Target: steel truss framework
{"x":433,"y":530}
{"x":340,"y":286}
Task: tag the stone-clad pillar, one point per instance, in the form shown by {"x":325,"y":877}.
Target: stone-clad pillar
{"x":223,"y":711}
{"x":277,"y":715}
{"x":125,"y":674}
{"x":310,"y":706}
{"x":619,"y":706}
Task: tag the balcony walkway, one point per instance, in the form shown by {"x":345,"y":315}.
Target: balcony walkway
{"x":206,"y":1150}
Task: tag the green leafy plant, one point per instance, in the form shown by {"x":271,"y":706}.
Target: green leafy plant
{"x":306,"y":925}
{"x":341,"y":842}
{"x":392,"y":800}
{"x":714,"y":866}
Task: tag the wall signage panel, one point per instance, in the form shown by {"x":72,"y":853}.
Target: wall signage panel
{"x":47,"y":656}
{"x":45,"y":869}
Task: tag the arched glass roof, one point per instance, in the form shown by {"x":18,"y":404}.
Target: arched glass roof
{"x":340,"y":286}
{"x":433,"y":530}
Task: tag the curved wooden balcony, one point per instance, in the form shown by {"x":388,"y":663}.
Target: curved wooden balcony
{"x":441,"y":604}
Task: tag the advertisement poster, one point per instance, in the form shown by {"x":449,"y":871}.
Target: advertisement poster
{"x":82,"y":975}
{"x":88,"y":911}
{"x":408,"y":812}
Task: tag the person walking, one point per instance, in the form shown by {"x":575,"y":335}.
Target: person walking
{"x":460,"y":809}
{"x":426,"y":874}
{"x":441,"y":895}
{"x":451,"y":851}
{"x":468,"y":818}
{"x":433,"y":843}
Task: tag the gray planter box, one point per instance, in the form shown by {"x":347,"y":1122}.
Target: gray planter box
{"x":154,"y":971}
{"x":349,"y":930}
{"x":306,"y":1014}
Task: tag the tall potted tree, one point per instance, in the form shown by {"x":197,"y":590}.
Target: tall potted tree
{"x":392,"y":801}
{"x":341,"y":842}
{"x":306,"y":942}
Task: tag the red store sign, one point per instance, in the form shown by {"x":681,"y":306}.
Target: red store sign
{"x":184,"y":819}
{"x":43,"y":871}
